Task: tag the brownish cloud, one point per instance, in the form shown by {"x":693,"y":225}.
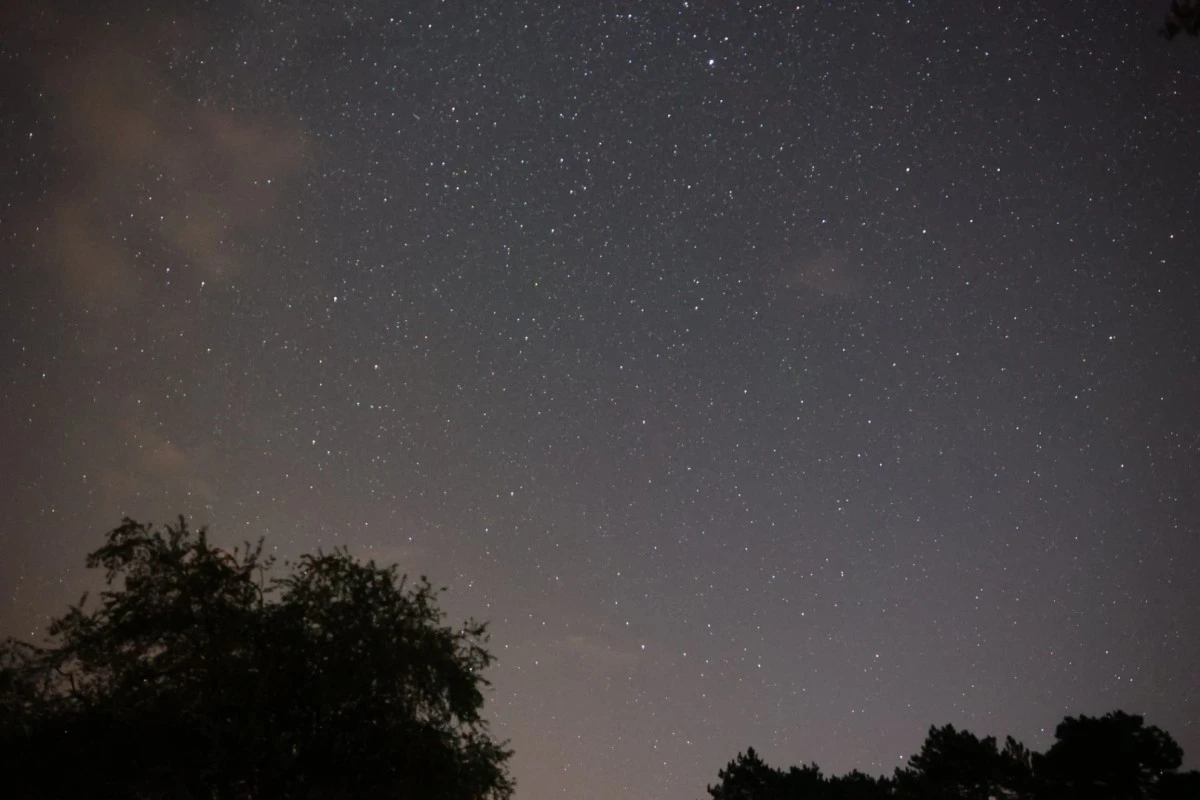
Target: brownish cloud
{"x":151,"y":464}
{"x":600,"y":652}
{"x":830,"y":274}
{"x":154,"y":178}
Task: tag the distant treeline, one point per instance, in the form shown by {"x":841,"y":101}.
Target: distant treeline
{"x":1113,"y":757}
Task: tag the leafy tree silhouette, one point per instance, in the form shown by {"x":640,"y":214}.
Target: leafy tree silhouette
{"x":1183,"y":17}
{"x":1177,"y":786}
{"x":748,"y":777}
{"x":198,"y":675}
{"x":855,"y":785}
{"x":957,"y":764}
{"x":1114,"y":757}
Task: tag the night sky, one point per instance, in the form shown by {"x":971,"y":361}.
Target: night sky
{"x":794,"y":376}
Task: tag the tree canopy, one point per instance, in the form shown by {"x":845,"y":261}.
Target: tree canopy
{"x":1182,"y":17}
{"x":1113,"y":757}
{"x":201,"y":673}
{"x":957,"y":764}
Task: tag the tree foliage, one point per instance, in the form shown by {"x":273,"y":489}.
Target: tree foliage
{"x":954,"y":764}
{"x":1114,"y":757}
{"x":1183,"y":17}
{"x":199,"y":673}
{"x":748,"y":777}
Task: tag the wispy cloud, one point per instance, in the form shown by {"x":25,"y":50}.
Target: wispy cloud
{"x":830,"y":274}
{"x":152,"y":463}
{"x":156,"y":178}
{"x":600,"y":652}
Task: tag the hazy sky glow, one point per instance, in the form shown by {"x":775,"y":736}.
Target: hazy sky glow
{"x":776,"y":375}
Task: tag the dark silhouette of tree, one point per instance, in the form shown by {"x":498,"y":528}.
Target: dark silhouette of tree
{"x":855,"y":785}
{"x":1114,"y":757}
{"x":747,"y":777}
{"x":1178,"y":786}
{"x":199,"y":675}
{"x":957,"y":764}
{"x":801,"y":783}
{"x":1183,"y":17}
{"x":1018,"y":779}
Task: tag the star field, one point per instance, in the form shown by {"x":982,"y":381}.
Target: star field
{"x":794,"y":376}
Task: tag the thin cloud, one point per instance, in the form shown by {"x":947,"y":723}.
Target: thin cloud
{"x":600,"y":652}
{"x":157,"y":179}
{"x":830,"y":274}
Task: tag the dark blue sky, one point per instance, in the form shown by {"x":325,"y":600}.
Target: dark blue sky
{"x":793,"y":376}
